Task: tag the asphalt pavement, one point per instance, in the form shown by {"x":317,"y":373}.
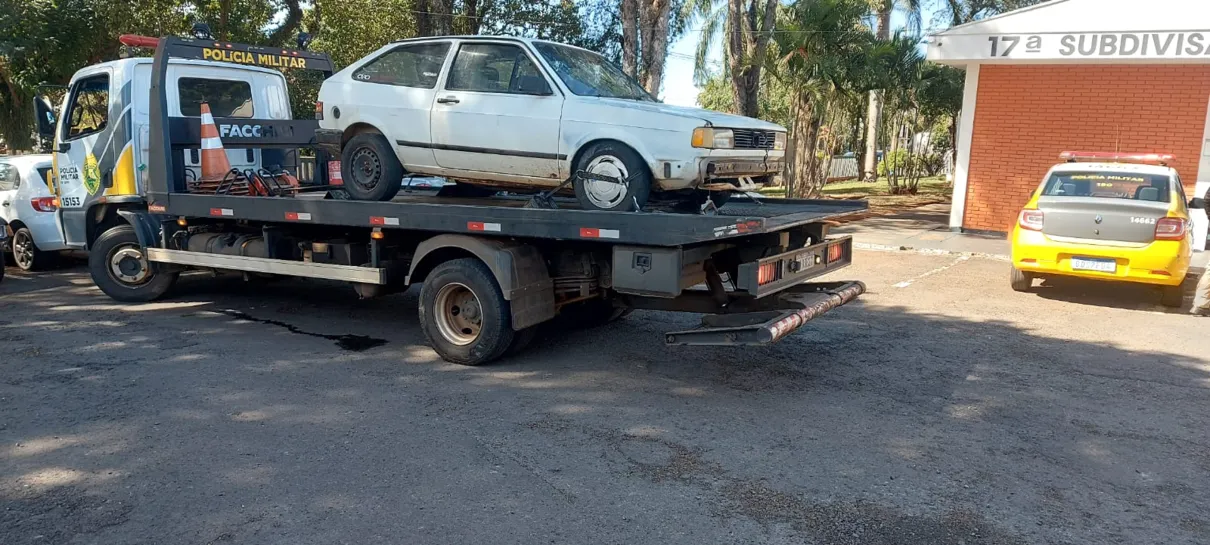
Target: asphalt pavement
{"x":941,"y":408}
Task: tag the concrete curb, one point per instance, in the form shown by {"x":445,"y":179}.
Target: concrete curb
{"x":926,"y":251}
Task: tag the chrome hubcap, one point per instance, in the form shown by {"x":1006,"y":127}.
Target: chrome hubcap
{"x":607,"y":194}
{"x":459,"y":315}
{"x":126,"y":265}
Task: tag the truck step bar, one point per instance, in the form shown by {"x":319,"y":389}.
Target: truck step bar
{"x":347,"y":273}
{"x":806,"y":302}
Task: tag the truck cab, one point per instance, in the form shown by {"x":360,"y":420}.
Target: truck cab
{"x":101,"y":132}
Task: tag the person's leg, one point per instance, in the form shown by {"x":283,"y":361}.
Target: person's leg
{"x":1201,"y":296}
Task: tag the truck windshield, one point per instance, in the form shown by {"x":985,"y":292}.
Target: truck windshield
{"x":588,"y":74}
{"x":1109,"y":185}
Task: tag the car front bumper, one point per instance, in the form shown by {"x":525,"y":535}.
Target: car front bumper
{"x":718,"y":169}
{"x":1163,"y":262}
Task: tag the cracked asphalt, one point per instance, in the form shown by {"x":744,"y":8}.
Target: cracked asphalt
{"x":942,"y":408}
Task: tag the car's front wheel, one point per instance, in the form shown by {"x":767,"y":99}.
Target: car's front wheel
{"x":370,"y":169}
{"x":611,"y":176}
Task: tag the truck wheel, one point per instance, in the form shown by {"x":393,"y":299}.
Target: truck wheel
{"x":370,"y":169}
{"x":1021,"y":280}
{"x":1172,"y":296}
{"x":463,"y":313}
{"x":117,"y":265}
{"x":615,"y":161}
{"x":26,"y":254}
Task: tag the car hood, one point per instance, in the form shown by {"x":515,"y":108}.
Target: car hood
{"x":711,"y":117}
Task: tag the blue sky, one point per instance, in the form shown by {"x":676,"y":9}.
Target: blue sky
{"x":678,"y":72}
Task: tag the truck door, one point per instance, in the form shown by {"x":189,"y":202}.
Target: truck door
{"x":83,"y":137}
{"x":497,"y":113}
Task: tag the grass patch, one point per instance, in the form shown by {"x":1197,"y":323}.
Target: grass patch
{"x":878,"y":194}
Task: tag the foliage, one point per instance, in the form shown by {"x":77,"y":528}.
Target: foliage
{"x":774,"y":98}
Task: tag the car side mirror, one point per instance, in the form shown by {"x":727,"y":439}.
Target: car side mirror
{"x":1197,"y":203}
{"x":533,"y":85}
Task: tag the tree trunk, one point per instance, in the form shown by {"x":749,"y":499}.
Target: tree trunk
{"x":630,"y":38}
{"x":654,"y":25}
{"x":875,"y":111}
{"x":806,"y":135}
{"x":747,"y":45}
{"x":281,"y":36}
{"x":443,"y":18}
{"x":424,"y":20}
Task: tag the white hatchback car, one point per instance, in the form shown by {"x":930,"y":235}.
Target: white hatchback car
{"x":28,"y":207}
{"x":521,"y":114}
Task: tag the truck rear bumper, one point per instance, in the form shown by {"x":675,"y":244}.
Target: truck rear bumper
{"x":796,"y":306}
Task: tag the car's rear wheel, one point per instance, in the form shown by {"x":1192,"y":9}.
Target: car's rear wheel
{"x":620,"y":181}
{"x":26,"y":254}
{"x":1172,"y":296}
{"x":1021,"y":280}
{"x":370,"y":169}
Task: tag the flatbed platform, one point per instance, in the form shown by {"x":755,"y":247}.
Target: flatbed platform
{"x":507,"y":216}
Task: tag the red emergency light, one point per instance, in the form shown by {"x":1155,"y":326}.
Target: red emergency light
{"x":1117,"y":157}
{"x":135,"y":40}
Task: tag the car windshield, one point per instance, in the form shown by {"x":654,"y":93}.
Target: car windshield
{"x":588,"y":74}
{"x":1109,"y":185}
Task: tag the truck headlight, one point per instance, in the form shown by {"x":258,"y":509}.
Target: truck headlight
{"x":711,"y":138}
{"x":779,"y":141}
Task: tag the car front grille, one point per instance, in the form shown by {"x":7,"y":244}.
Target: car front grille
{"x":753,"y":139}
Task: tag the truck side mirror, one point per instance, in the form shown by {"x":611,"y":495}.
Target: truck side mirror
{"x":1197,"y":203}
{"x":44,"y":118}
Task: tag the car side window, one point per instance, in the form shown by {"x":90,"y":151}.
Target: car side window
{"x":10,"y":177}
{"x":495,"y":68}
{"x":415,"y":65}
{"x":88,"y":112}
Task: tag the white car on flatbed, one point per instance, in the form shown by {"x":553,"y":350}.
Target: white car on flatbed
{"x":522,"y":114}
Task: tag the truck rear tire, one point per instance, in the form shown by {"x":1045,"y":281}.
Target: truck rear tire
{"x":464,"y":314}
{"x":1172,"y":296}
{"x":370,"y":168}
{"x":1021,"y":280}
{"x":616,"y":161}
{"x":118,"y":266}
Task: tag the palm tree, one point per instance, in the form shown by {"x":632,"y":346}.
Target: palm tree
{"x":748,"y":27}
{"x":883,"y":10}
{"x":822,"y":56}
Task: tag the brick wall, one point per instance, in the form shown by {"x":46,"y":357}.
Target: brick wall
{"x":1027,"y":114}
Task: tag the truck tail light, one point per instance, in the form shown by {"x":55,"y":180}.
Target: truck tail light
{"x":1031,"y":220}
{"x":319,"y":110}
{"x":43,"y":204}
{"x":768,"y":272}
{"x":835,"y":252}
{"x":1171,"y":229}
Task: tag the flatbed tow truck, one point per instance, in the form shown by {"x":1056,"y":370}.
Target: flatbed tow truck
{"x":492,"y":269}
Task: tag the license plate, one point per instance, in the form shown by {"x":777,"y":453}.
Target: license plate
{"x":1092,"y":264}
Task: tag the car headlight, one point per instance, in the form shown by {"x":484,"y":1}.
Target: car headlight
{"x":779,"y":141}
{"x":709,"y":137}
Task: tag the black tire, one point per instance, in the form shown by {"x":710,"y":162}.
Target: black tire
{"x":151,"y":285}
{"x":370,"y":168}
{"x":495,"y":334}
{"x":1,"y":265}
{"x":26,"y":255}
{"x":1021,"y":280}
{"x":694,"y":201}
{"x":1172,"y":296}
{"x":612,"y":159}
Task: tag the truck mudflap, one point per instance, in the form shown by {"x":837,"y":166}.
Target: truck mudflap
{"x":797,"y":306}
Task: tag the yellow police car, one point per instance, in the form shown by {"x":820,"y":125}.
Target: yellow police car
{"x":1106,"y":216}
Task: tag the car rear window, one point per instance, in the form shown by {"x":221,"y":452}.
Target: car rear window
{"x":1109,"y":185}
{"x":227,"y":98}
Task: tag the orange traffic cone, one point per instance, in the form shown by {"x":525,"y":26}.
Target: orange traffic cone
{"x":214,"y":164}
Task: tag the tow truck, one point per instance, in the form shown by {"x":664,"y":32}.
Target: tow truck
{"x":491,"y":270}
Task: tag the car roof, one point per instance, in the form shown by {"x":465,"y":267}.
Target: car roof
{"x":35,"y":160}
{"x":489,"y":38}
{"x":1115,"y":167}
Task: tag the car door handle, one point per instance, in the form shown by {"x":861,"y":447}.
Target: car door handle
{"x":448,"y":100}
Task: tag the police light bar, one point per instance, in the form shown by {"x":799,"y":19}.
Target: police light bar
{"x":134,"y":40}
{"x":1117,"y":157}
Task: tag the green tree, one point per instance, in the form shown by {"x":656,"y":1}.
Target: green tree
{"x":745,"y":28}
{"x":773,"y":102}
{"x":883,"y":10}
